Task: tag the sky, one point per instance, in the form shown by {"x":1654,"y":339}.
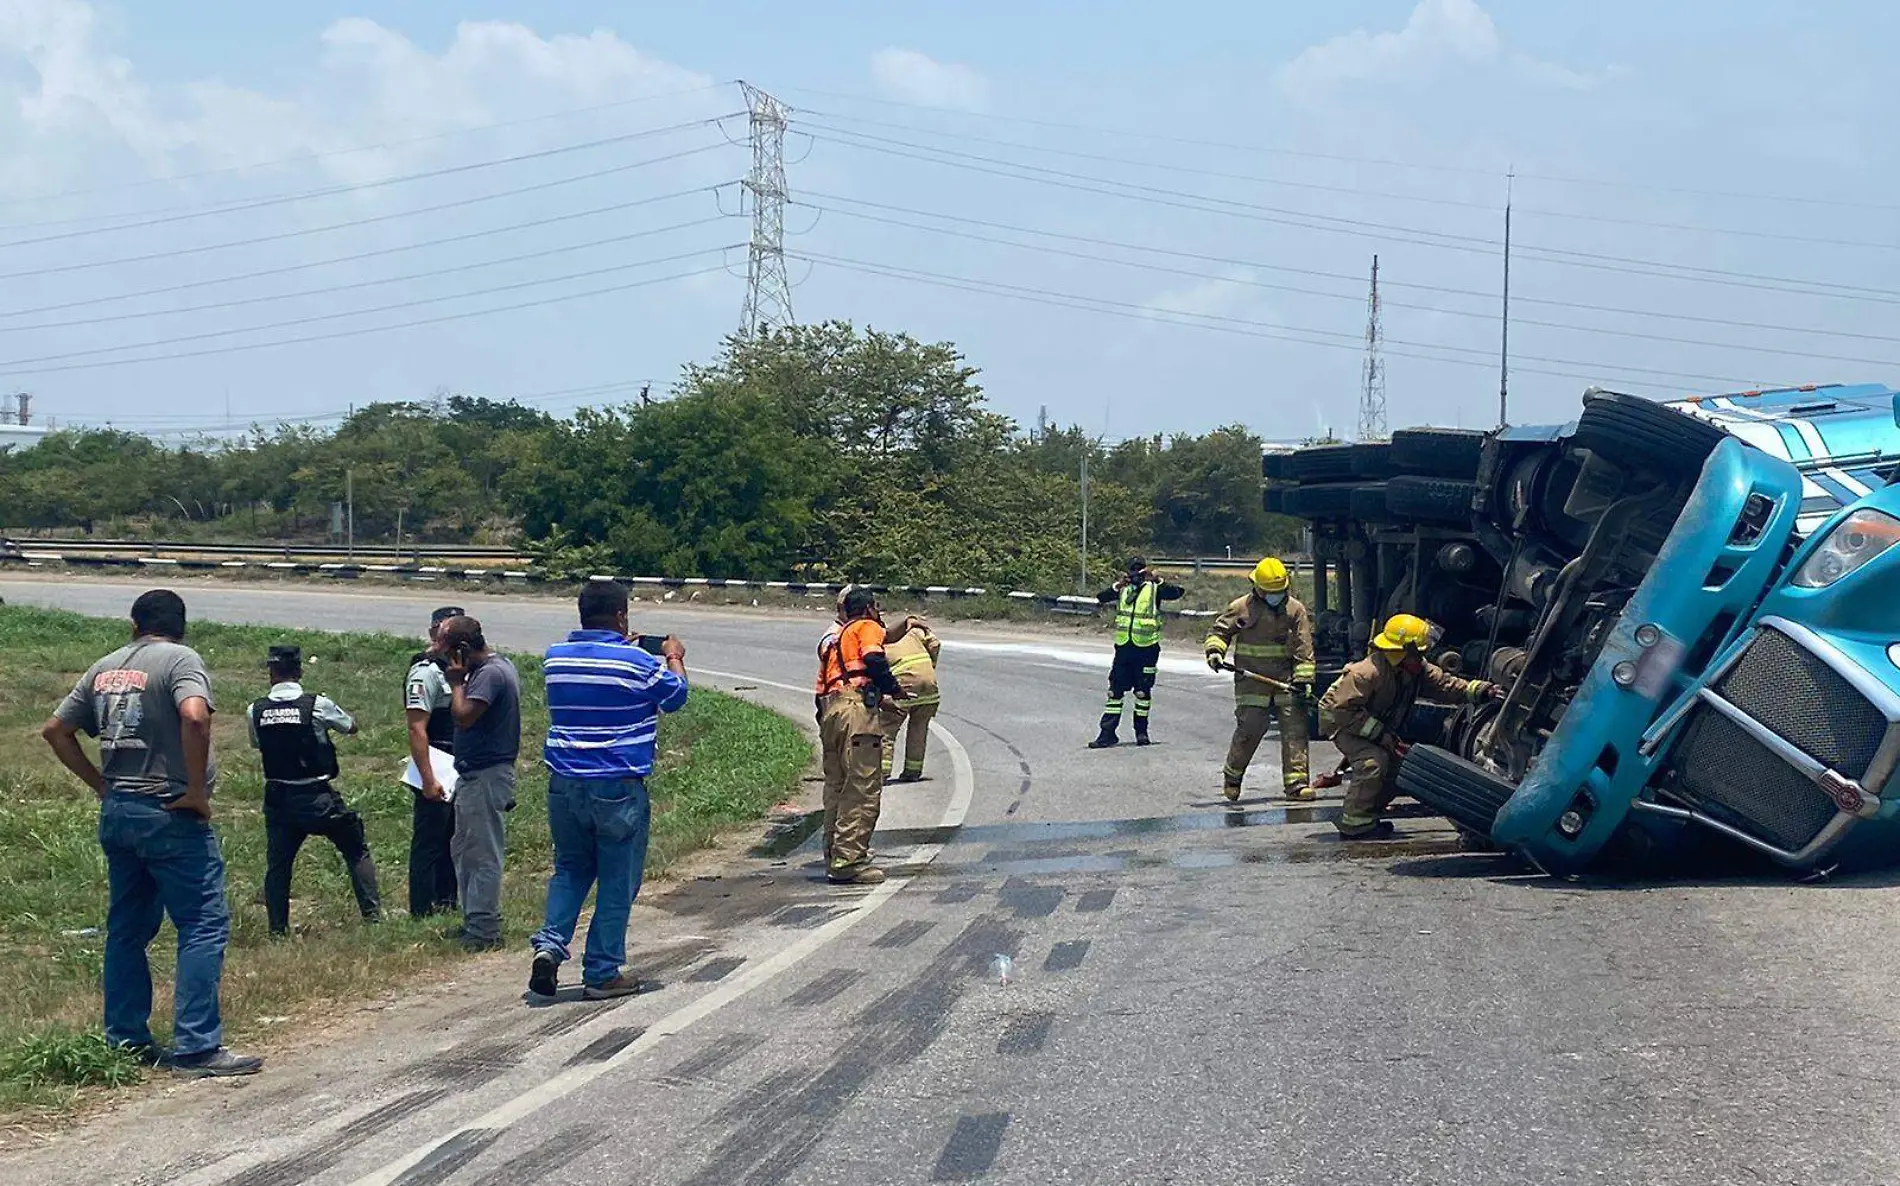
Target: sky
{"x":1135,"y":218}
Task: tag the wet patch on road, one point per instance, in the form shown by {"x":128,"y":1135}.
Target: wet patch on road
{"x":972,"y":1148}
{"x":1026,"y":1034}
{"x":1067,"y":956}
{"x":1094,"y":901}
{"x":1030,"y":900}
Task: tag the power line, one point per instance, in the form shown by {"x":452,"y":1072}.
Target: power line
{"x":246,"y":302}
{"x":25,"y":365}
{"x":332,"y":191}
{"x":174,"y":178}
{"x":368,"y":220}
{"x":1674,"y":339}
{"x":377,"y":329}
{"x":377,"y":253}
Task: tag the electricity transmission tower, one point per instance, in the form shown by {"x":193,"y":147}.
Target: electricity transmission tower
{"x":768,"y":290}
{"x":1372,"y":387}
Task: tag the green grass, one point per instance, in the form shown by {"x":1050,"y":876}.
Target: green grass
{"x":722,"y":762}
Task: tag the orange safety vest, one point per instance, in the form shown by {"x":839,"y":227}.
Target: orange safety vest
{"x":841,"y":655}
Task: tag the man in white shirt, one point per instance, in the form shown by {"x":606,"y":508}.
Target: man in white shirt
{"x":291,"y":730}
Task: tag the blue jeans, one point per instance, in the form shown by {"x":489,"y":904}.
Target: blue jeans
{"x":600,"y":838}
{"x":162,"y":863}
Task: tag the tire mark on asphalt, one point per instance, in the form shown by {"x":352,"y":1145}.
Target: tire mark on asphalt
{"x":460,"y":1150}
{"x":1067,"y":956}
{"x":1094,"y":901}
{"x":825,"y":987}
{"x":607,"y":1045}
{"x":904,"y":934}
{"x":575,"y":1015}
{"x":1026,"y":1034}
{"x":1030,"y":900}
{"x":972,"y":1148}
{"x":717,"y":969}
{"x":544,"y":1158}
{"x":717,"y":1055}
{"x":962,"y":891}
{"x":472,"y":1064}
{"x":301,"y":1167}
{"x":1022,"y":761}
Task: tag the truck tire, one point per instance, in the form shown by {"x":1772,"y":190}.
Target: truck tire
{"x":1438,"y":452}
{"x":1273,"y":466}
{"x":1466,"y":793}
{"x":1331,"y":501}
{"x":1373,"y":461}
{"x":1641,"y":434}
{"x":1368,"y":503}
{"x":1415,"y":499}
{"x":1320,"y":463}
{"x":1273,"y":500}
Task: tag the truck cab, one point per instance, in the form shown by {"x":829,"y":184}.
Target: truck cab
{"x":1692,"y":608}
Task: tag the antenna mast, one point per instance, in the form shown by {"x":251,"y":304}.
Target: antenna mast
{"x":1372,"y":387}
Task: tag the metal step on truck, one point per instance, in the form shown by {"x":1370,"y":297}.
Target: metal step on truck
{"x":1694,"y":607}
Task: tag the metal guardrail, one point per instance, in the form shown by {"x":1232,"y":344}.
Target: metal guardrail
{"x":154,"y":547}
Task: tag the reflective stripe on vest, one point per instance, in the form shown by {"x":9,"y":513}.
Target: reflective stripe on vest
{"x":1137,"y":621}
{"x":910,"y":663}
{"x":1263,"y":650}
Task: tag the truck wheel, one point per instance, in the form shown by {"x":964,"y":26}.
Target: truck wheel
{"x":1320,"y":463}
{"x":1372,"y":460}
{"x":1641,"y":434}
{"x":1438,"y":452}
{"x":1468,"y":794}
{"x":1333,"y":501}
{"x":1430,"y":500}
{"x":1368,"y":503}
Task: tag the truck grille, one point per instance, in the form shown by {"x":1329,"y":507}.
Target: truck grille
{"x":1736,"y":779}
{"x":1805,"y":702}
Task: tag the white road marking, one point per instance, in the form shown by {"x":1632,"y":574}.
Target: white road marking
{"x":1096,"y":658}
{"x":574,"y":1078}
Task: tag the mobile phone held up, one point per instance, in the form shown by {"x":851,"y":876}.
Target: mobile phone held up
{"x":650,"y":643}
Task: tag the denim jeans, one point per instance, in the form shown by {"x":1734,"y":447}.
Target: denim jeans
{"x":600,"y":838}
{"x":162,"y":863}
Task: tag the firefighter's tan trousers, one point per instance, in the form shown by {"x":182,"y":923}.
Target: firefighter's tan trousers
{"x":1372,"y":786}
{"x":1251,"y":722}
{"x":853,"y":743}
{"x":916,"y":718}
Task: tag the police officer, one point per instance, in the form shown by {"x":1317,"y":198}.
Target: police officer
{"x":913,"y":658}
{"x":855,"y":686}
{"x":1137,"y":599}
{"x":1366,"y":707}
{"x":1268,"y":632}
{"x":291,"y":729}
{"x":426,"y":699}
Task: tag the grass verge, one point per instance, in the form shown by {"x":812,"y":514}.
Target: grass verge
{"x":722,"y":762}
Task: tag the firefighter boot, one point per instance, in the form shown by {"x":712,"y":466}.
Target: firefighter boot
{"x":1231,"y":789}
{"x":1106,"y":737}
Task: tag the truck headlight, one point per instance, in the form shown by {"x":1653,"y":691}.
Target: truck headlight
{"x":1856,"y":541}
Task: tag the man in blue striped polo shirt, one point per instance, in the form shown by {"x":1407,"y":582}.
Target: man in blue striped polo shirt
{"x":605,"y":697}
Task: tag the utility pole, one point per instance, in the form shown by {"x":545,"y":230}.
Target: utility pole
{"x":768,"y":290}
{"x":1372,"y":386}
{"x":1083,"y":588}
{"x":25,"y":402}
{"x":1504,"y":342}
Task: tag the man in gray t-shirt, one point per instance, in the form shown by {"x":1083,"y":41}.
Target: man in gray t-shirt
{"x":486,"y":704}
{"x":149,"y":704}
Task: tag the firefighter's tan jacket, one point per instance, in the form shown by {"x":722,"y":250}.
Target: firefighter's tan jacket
{"x":1371,"y":698}
{"x":913,"y":660}
{"x":1253,"y":636}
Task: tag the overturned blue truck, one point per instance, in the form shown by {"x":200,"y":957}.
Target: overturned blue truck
{"x":1694,"y":607}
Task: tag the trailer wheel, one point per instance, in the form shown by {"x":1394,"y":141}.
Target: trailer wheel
{"x":1331,"y":501}
{"x":1467,"y":793}
{"x":1641,"y":434}
{"x":1438,"y":452}
{"x":1430,"y":500}
{"x":1320,"y":463}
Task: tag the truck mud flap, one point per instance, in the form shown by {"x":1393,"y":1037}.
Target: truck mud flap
{"x":1466,"y":793}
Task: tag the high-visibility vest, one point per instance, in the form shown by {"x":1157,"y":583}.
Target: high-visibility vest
{"x":1137,"y":618}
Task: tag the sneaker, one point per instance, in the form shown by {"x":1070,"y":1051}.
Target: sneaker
{"x":1373,"y":831}
{"x":474,"y":944}
{"x":622,"y":985}
{"x":1301,"y":793}
{"x":863,"y":875}
{"x":1105,"y":741}
{"x":1232,"y":791}
{"x":544,"y":976}
{"x":215,"y":1064}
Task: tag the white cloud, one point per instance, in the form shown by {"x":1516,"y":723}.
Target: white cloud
{"x":70,"y":103}
{"x":1440,"y":35}
{"x":1232,"y":296}
{"x":918,"y":78}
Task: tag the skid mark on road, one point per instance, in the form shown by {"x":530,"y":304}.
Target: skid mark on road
{"x":972,"y":1148}
{"x":1066,"y":957}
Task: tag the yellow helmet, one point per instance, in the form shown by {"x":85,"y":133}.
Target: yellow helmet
{"x":1404,"y":632}
{"x":1269,"y":576}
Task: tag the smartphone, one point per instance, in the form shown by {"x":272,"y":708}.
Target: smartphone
{"x":650,"y":643}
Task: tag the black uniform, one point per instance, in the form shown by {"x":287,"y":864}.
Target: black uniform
{"x":300,"y":801}
{"x":432,"y":885}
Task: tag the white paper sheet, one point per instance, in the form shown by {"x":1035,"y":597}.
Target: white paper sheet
{"x":444,"y":765}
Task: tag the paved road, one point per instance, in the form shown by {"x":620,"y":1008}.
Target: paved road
{"x":1197,"y":995}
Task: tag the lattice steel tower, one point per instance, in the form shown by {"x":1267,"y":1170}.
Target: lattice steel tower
{"x":1372,"y":385}
{"x":768,"y":290}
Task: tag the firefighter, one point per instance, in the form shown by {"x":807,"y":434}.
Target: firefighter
{"x":1269,"y":633}
{"x":1366,"y":707}
{"x":913,"y":660}
{"x":1137,"y":599}
{"x":855,"y":687}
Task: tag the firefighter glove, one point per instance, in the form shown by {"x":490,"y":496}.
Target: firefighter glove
{"x":1214,"y":660}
